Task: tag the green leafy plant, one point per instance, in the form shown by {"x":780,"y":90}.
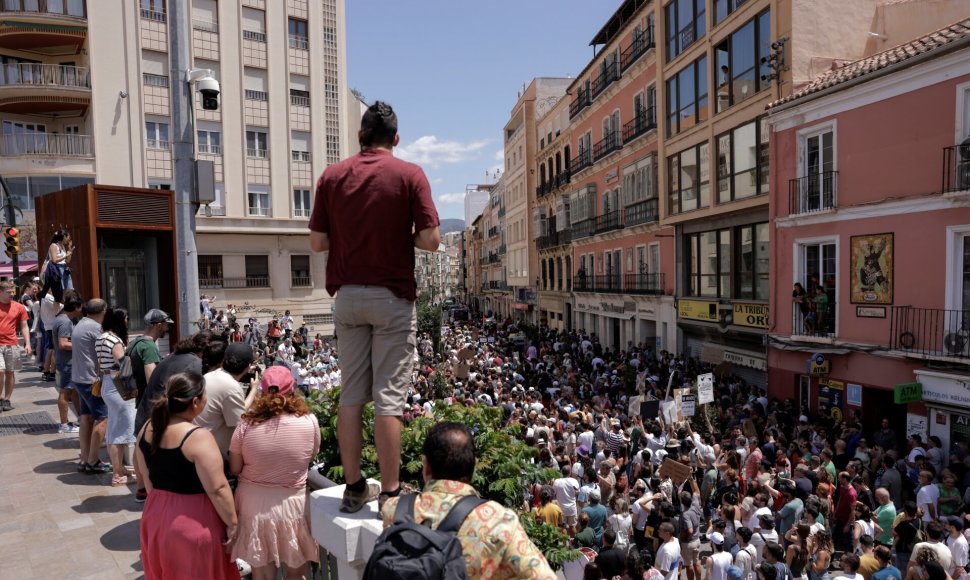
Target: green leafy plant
{"x":553,"y":543}
{"x":429,"y":319}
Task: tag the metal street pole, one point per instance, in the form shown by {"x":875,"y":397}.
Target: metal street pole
{"x":183,"y":142}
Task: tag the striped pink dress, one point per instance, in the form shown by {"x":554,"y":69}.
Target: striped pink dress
{"x":271,"y":496}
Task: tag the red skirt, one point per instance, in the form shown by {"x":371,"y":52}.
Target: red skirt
{"x":181,"y":537}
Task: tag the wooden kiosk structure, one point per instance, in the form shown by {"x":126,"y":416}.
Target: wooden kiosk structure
{"x":125,"y":244}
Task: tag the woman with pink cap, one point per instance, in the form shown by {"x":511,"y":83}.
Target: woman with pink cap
{"x":271,"y":448}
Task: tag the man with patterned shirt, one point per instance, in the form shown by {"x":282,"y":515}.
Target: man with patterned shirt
{"x":492,"y":539}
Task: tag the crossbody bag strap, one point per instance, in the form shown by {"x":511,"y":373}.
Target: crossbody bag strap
{"x":405,"y":509}
{"x":459,"y":512}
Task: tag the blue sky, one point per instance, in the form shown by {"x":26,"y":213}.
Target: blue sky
{"x":452,"y":70}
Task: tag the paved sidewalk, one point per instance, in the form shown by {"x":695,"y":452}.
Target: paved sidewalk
{"x":56,"y":522}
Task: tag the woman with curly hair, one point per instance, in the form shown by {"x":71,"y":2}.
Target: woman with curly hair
{"x":270,"y":451}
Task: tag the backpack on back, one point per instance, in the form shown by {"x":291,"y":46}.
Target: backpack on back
{"x":410,"y":551}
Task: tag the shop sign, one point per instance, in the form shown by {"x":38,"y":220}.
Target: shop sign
{"x":751,"y":315}
{"x":831,"y":398}
{"x":853,"y":395}
{"x":745,"y":360}
{"x":947,"y":389}
{"x":818,"y":365}
{"x":705,"y":310}
{"x":520,"y":306}
{"x":908,"y":393}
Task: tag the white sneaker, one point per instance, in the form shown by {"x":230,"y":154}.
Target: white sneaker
{"x":244,"y":568}
{"x":68,"y":428}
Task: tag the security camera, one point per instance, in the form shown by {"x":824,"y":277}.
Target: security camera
{"x":209,"y":87}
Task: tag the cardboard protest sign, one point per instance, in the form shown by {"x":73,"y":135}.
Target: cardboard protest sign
{"x":688,"y":404}
{"x":705,"y":388}
{"x":749,"y":428}
{"x":467,"y":354}
{"x":461,"y":371}
{"x":668,"y":411}
{"x":675,"y":470}
{"x":475,"y":334}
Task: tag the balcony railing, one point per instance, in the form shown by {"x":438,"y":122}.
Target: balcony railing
{"x":299,"y":42}
{"x":42,"y":144}
{"x":502,"y":250}
{"x":501,"y":212}
{"x":155,"y":15}
{"x":645,"y":120}
{"x":251,"y":95}
{"x":301,"y":281}
{"x":818,"y":319}
{"x":257,"y":211}
{"x":581,"y":101}
{"x":246,"y":282}
{"x":930,"y":332}
{"x":153,"y":80}
{"x":608,"y":144}
{"x":553,"y":240}
{"x":301,"y":156}
{"x":563,"y":178}
{"x":205,"y":25}
{"x":956,"y":168}
{"x":619,"y":284}
{"x":583,"y":229}
{"x":814,"y":193}
{"x":609,"y":75}
{"x":300,"y":212}
{"x":583,"y":160}
{"x":254,"y":35}
{"x":257,"y":153}
{"x":206,"y":149}
{"x":59,"y":7}
{"x":299,"y":101}
{"x":641,"y":212}
{"x":638,"y":47}
{"x":609,"y":221}
{"x":52,"y":75}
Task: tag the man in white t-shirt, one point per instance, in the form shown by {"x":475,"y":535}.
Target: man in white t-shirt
{"x":747,"y":554}
{"x":668,"y":556}
{"x":765,"y":535}
{"x":928,"y":496}
{"x":718,"y":561}
{"x":934,"y":537}
{"x":958,"y":546}
{"x":227,"y":400}
{"x":567,"y":489}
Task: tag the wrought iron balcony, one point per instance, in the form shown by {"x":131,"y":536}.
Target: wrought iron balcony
{"x":608,"y":75}
{"x":813,"y":193}
{"x":583,"y":229}
{"x":641,"y":212}
{"x":581,"y":101}
{"x":816,"y":318}
{"x":583,"y":160}
{"x":956,"y":168}
{"x":619,"y":284}
{"x":608,"y":144}
{"x":638,"y":47}
{"x":563,"y":178}
{"x":645,"y":120}
{"x":609,"y":221}
{"x":930,"y":332}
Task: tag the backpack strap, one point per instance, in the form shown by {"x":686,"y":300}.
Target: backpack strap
{"x":459,"y":512}
{"x":404,"y":513}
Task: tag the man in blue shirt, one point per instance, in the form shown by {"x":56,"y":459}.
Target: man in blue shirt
{"x":886,"y":571}
{"x":597,"y":514}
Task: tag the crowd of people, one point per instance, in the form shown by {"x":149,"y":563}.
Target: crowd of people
{"x":771,"y":490}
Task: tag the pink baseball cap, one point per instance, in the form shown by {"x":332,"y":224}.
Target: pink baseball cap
{"x":279,"y":377}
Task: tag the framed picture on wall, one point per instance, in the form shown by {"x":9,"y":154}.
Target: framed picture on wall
{"x":871,"y":265}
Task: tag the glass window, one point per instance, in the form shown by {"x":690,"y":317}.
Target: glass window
{"x":740,"y":72}
{"x":745,"y":161}
{"x":764,"y":43}
{"x":686,"y":22}
{"x":742,"y":162}
{"x":761,"y":261}
{"x":689,"y":180}
{"x":724,"y":168}
{"x":687,"y":102}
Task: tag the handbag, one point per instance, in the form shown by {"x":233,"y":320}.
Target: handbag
{"x":96,"y":387}
{"x":124,"y":378}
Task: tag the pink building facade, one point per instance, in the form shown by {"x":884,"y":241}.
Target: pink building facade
{"x":870,"y":214}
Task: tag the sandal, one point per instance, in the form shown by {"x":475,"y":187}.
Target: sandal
{"x":119,"y":480}
{"x":82,"y":467}
{"x":99,"y":467}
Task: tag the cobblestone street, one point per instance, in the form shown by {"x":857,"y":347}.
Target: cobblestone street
{"x":58,"y":523}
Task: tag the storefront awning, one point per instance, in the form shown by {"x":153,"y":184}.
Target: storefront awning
{"x":25,"y":266}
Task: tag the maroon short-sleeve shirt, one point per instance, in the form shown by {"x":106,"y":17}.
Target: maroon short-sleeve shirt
{"x":370,"y":205}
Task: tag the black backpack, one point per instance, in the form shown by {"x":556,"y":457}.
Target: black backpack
{"x":410,"y":551}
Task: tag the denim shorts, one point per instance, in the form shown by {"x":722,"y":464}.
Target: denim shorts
{"x":91,"y":405}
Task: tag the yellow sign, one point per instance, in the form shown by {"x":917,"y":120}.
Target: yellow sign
{"x":832,"y":384}
{"x":818,"y":365}
{"x":705,"y":310}
{"x":753,"y":315}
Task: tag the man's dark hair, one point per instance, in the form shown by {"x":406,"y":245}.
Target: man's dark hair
{"x":378,"y":127}
{"x":852,"y":561}
{"x":450,"y":450}
{"x":776,"y":551}
{"x":745,"y":534}
{"x":883,"y":553}
{"x":194,"y":344}
{"x":934,"y":531}
{"x":72,"y":301}
{"x":609,"y":538}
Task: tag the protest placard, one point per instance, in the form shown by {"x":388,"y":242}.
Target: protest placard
{"x":675,"y":470}
{"x":688,"y":404}
{"x":705,"y":388}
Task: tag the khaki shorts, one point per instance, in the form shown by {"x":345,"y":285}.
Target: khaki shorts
{"x":690,"y":551}
{"x":9,"y":358}
{"x":377,"y":334}
{"x":570,"y":520}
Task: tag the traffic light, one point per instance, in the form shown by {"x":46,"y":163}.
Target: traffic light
{"x":12,"y":236}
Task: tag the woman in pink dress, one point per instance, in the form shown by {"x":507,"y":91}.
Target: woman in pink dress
{"x":189,"y":518}
{"x":271,"y":450}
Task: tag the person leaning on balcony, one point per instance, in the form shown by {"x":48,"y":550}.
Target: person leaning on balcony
{"x":492,"y":539}
{"x":799,"y":297}
{"x":57,"y":276}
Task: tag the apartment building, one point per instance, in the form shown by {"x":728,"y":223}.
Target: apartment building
{"x":519,"y":179}
{"x":870,"y":173}
{"x":621,"y":255}
{"x":721,"y":63}
{"x":493,"y":254}
{"x":87,"y":99}
{"x":437,"y":273}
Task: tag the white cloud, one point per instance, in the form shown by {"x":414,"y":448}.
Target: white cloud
{"x":428,"y":150}
{"x":438,"y":180}
{"x":500,"y":155}
{"x":452,"y":198}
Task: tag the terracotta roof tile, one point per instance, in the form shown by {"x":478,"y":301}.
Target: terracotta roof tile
{"x":935,"y":41}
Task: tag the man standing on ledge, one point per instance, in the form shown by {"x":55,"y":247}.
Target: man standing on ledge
{"x":370,"y":212}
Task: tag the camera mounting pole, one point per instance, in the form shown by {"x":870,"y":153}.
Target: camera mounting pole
{"x":183,"y":153}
